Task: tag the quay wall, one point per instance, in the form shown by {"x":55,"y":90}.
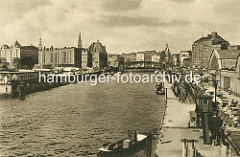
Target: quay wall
{"x":219,"y":123}
{"x":176,"y":129}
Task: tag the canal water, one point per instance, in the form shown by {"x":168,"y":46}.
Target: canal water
{"x":76,"y":119}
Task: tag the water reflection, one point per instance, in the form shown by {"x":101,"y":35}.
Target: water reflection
{"x":75,"y":120}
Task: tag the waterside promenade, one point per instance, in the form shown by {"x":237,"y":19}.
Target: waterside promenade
{"x":177,"y":138}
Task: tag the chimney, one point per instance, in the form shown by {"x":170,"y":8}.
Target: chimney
{"x":214,"y":33}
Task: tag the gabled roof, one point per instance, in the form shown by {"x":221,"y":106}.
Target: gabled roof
{"x":211,"y":37}
{"x":4,"y":46}
{"x":202,"y":39}
{"x":226,"y":59}
{"x":238,"y":58}
{"x":16,"y":44}
{"x":94,"y":45}
{"x":228,"y":54}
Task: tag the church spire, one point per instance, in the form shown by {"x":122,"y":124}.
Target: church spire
{"x":80,"y":41}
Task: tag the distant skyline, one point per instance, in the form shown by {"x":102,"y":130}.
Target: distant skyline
{"x":124,"y":26}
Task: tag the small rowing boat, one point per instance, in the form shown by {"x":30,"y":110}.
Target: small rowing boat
{"x":123,"y":147}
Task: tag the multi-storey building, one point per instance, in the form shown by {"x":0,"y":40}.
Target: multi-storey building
{"x":202,"y":48}
{"x":16,"y":51}
{"x":99,"y":55}
{"x":176,"y":59}
{"x":86,"y":58}
{"x":129,"y":57}
{"x":67,"y":56}
{"x":113,"y":59}
{"x":185,"y":58}
{"x":140,"y":56}
{"x":156,"y":57}
{"x":148,"y":55}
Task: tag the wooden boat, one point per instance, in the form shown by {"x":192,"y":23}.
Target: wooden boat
{"x":123,"y":147}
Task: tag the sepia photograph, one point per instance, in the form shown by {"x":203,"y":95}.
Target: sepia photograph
{"x":120,"y":78}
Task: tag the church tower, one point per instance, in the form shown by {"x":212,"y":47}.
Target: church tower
{"x":40,"y":44}
{"x":80,"y":41}
{"x":167,"y":53}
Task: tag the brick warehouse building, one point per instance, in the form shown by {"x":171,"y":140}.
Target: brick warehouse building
{"x":113,"y":59}
{"x":67,"y":56}
{"x":64,"y":57}
{"x":202,"y":48}
{"x":99,"y":55}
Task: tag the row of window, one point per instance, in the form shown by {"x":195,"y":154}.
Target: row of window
{"x":54,"y":57}
{"x":9,"y":56}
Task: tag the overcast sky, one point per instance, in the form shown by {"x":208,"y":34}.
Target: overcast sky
{"x":121,"y":25}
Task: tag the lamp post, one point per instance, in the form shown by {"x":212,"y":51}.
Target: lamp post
{"x":215,"y":83}
{"x":215,"y":86}
{"x":218,"y":124}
